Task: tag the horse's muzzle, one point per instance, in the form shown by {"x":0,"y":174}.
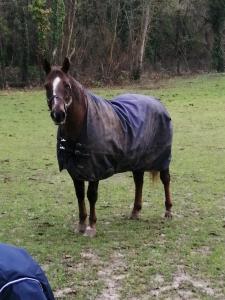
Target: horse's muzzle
{"x":59,"y":117}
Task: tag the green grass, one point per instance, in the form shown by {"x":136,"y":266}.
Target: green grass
{"x":143,"y":259}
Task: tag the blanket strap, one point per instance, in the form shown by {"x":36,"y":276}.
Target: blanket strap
{"x":77,"y":149}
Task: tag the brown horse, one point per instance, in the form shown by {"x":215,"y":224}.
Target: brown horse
{"x":98,"y":138}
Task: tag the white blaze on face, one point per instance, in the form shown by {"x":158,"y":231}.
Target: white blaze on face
{"x":55,"y":83}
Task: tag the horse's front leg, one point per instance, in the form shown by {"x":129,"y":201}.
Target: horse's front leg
{"x":80,"y":193}
{"x":92,"y":194}
{"x":165,"y":178}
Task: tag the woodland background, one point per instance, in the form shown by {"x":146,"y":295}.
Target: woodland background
{"x":110,"y":41}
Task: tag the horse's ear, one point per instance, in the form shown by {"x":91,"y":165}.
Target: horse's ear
{"x":46,"y":66}
{"x":66,"y":65}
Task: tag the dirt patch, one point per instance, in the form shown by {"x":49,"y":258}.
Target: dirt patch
{"x":89,"y":259}
{"x":63,"y":293}
{"x":159,"y":278}
{"x":183,"y":286}
{"x":204,"y":250}
{"x":112,"y":274}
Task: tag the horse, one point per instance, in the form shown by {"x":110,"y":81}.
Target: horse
{"x":97,"y":138}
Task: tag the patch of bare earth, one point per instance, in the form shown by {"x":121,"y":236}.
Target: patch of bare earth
{"x":184,"y":286}
{"x":63,"y":293}
{"x":112,"y":274}
{"x":204,"y":250}
{"x":89,"y":259}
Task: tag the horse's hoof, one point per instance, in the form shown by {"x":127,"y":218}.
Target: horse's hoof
{"x":168,"y":214}
{"x":81,"y":228}
{"x":134,"y":216}
{"x":90,"y":231}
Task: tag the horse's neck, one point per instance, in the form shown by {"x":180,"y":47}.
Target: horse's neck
{"x":76,"y":112}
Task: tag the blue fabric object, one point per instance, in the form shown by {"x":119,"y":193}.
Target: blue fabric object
{"x":129,"y":133}
{"x":21,"y":278}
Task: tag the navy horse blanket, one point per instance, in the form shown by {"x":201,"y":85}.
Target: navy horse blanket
{"x":129,"y":133}
{"x":21,"y":278}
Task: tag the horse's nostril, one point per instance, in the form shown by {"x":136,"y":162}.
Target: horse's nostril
{"x":58,"y":116}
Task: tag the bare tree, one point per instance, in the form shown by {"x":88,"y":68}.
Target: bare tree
{"x":143,"y":34}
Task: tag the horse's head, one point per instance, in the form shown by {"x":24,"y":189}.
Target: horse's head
{"x":58,"y":90}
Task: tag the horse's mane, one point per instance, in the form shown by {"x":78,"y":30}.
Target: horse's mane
{"x":78,"y":90}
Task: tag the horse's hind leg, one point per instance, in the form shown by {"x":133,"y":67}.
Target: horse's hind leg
{"x":80,"y":193}
{"x":138,"y":181}
{"x":165,"y":178}
{"x":92,"y":194}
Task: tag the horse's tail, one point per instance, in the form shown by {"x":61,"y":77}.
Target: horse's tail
{"x":154,"y":175}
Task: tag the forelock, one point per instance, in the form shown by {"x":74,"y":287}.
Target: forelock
{"x":55,"y":72}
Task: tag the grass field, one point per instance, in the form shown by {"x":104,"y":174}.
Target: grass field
{"x":151,"y":258}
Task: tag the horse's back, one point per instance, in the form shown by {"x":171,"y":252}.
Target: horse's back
{"x":139,"y":110}
{"x":149,"y":131}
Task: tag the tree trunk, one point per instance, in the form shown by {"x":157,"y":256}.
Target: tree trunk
{"x":216,"y":12}
{"x":114,"y":38}
{"x":25,"y":52}
{"x":138,"y":65}
{"x":217,"y":52}
{"x":70,"y":50}
{"x":178,"y":38}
